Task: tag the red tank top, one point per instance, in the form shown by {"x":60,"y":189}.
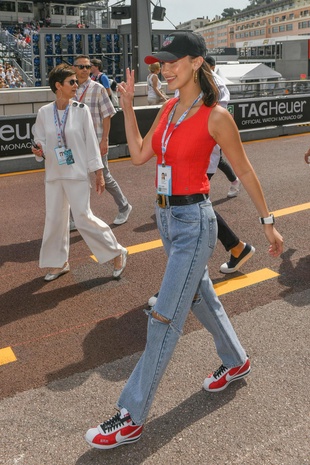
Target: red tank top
{"x":188,"y":151}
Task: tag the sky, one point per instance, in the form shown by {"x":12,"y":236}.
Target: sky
{"x":179,"y":11}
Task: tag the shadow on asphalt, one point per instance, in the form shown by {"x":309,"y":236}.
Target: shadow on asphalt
{"x":127,"y":337}
{"x":25,"y":300}
{"x":294,"y":276}
{"x":24,"y":252}
{"x":164,"y":429}
{"x":147,"y":226}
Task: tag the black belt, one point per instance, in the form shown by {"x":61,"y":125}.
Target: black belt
{"x":176,"y":200}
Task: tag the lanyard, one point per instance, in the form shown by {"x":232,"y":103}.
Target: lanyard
{"x":60,"y":125}
{"x":83,"y":93}
{"x":164,"y":140}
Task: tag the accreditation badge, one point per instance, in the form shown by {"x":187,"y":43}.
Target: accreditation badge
{"x":60,"y":155}
{"x":164,"y":180}
{"x":69,"y":157}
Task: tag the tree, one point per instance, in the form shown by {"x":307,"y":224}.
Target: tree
{"x":229,"y":12}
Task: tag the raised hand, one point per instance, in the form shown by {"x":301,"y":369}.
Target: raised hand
{"x":127,"y":89}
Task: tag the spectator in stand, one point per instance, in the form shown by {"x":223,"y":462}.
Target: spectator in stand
{"x":3,"y":84}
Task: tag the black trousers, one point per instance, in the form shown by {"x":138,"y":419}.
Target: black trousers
{"x":226,"y":235}
{"x":227,"y":169}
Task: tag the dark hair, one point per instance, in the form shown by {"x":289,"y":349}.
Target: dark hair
{"x":81,"y":56}
{"x":97,"y":63}
{"x":208,"y":86}
{"x":210,"y":60}
{"x":59,"y":74}
{"x":113,"y":85}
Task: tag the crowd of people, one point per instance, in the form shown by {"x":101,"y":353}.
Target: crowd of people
{"x":10,"y":77}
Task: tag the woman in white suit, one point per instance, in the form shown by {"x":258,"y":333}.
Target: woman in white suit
{"x":65,"y":137}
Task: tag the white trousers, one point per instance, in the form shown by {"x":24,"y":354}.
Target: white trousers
{"x":59,"y":197}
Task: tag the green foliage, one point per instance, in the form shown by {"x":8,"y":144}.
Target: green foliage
{"x":229,"y":12}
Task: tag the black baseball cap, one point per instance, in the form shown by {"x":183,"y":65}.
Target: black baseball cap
{"x":178,"y":45}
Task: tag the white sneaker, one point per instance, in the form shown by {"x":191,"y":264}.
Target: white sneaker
{"x":114,"y":432}
{"x":123,"y":217}
{"x":72,"y":226}
{"x":234,"y":188}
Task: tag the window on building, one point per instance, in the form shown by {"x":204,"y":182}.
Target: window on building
{"x":275,"y":29}
{"x":58,"y":10}
{"x":281,"y":28}
{"x":7,"y":6}
{"x":289,"y":27}
{"x":24,"y":7}
{"x":72,"y":11}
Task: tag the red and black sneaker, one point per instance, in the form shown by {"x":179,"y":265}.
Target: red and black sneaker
{"x":220,"y":379}
{"x":114,"y":432}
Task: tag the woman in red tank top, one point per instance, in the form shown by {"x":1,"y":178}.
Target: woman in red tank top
{"x":182,"y":136}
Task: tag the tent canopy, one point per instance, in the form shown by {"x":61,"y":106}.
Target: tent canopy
{"x":246,"y":72}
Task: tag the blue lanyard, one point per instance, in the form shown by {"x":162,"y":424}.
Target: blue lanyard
{"x":164,"y":140}
{"x":60,"y":125}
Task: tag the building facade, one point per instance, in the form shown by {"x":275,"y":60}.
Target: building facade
{"x":257,"y":33}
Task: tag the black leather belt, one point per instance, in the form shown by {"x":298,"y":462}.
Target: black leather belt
{"x":176,"y":200}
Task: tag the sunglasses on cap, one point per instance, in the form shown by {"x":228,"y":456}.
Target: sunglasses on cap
{"x":72,"y":82}
{"x":83,"y":66}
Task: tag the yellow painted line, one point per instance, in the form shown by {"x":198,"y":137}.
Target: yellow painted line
{"x":276,"y":138}
{"x":140,"y":247}
{"x":7,"y":356}
{"x":17,"y":173}
{"x":289,"y":210}
{"x":246,"y":280}
{"x":145,"y":246}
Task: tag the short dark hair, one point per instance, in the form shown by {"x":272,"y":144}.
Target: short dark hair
{"x":81,"y":56}
{"x":59,"y":74}
{"x":98,"y":63}
{"x":210,"y":60}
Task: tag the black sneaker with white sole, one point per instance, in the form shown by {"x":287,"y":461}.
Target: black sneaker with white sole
{"x":235,"y":263}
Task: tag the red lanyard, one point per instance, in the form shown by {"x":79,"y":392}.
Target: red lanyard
{"x":80,"y":99}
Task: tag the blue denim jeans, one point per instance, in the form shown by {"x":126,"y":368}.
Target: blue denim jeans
{"x":189,"y":236}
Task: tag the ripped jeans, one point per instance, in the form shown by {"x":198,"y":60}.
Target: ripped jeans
{"x":189,"y":236}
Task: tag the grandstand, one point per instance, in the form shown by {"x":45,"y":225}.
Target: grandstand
{"x":60,"y":31}
{"x":71,"y":12}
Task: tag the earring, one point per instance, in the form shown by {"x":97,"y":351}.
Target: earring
{"x":195,"y":76}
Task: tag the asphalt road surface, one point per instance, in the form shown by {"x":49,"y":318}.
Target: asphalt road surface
{"x":85,"y":322}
